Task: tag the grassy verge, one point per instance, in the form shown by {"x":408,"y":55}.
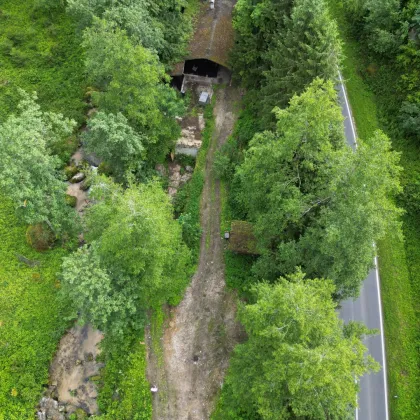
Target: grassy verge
{"x":32,"y":318}
{"x":39,"y":51}
{"x":398,"y":259}
{"x":124,"y":392}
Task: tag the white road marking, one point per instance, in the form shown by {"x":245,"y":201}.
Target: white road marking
{"x":382,"y":337}
{"x":376,"y":268}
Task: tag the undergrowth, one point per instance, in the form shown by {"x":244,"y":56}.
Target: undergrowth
{"x":39,"y":51}
{"x":32,"y":318}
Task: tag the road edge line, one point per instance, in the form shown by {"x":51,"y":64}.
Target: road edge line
{"x":378,"y":287}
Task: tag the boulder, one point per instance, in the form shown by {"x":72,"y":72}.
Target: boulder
{"x":80,"y":176}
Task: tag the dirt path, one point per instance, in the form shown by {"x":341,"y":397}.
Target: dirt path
{"x":202,"y":331}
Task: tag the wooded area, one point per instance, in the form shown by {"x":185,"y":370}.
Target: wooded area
{"x":305,"y":207}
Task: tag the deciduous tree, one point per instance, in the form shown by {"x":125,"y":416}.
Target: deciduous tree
{"x":29,"y":173}
{"x":111,"y":138}
{"x":299,"y":361}
{"x":136,"y":257}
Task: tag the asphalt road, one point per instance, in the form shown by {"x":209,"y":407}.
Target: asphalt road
{"x":372,"y":398}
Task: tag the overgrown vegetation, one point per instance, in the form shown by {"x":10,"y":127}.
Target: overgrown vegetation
{"x":298,"y":181}
{"x":40,"y":52}
{"x":32,"y":317}
{"x":378,"y":83}
{"x":188,"y":198}
{"x":123,"y":49}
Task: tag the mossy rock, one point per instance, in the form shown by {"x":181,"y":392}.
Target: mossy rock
{"x":71,"y":200}
{"x":40,"y":236}
{"x":70,"y":171}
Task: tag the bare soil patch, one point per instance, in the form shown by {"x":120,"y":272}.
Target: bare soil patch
{"x":202,"y":330}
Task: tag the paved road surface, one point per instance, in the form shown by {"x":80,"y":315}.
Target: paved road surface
{"x":373,"y":399}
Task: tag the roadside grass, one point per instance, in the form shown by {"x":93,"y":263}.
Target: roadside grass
{"x":39,"y":51}
{"x":399,"y":259}
{"x":32,"y":318}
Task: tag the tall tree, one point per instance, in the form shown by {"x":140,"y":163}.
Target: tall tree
{"x":133,"y":83}
{"x":29,"y":173}
{"x":257,"y":23}
{"x":308,"y":48}
{"x":315,"y":203}
{"x":136,"y":258}
{"x":111,"y":138}
{"x":160,"y":26}
{"x":299,"y":361}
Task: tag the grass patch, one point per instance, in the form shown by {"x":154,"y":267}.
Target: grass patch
{"x":39,"y":51}
{"x":32,"y":318}
{"x":124,"y":392}
{"x":398,"y":259}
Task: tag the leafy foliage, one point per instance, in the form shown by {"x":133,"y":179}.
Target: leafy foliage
{"x":136,"y":258}
{"x":130,"y":78}
{"x":28,"y":172}
{"x":305,"y":190}
{"x":160,"y":26}
{"x":308,"y":48}
{"x":111,"y":138}
{"x":299,"y":361}
{"x":39,"y":51}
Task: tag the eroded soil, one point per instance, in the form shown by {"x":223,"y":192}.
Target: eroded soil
{"x":202,"y":330}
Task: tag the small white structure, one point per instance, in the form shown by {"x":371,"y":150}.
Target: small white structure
{"x":204,"y":98}
{"x":211,"y":4}
{"x":154,"y":389}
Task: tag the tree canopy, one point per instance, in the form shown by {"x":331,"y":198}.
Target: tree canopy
{"x":314,"y":202}
{"x":299,"y":360}
{"x":133,"y":83}
{"x":29,"y":173}
{"x":111,"y":138}
{"x":160,"y":26}
{"x":309,"y":47}
{"x":135,"y":258}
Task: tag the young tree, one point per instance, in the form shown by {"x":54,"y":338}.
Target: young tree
{"x":133,"y":83}
{"x":299,"y":361}
{"x":29,"y":173}
{"x":308,"y":48}
{"x":314,"y":202}
{"x":111,"y":138}
{"x":136,"y":259}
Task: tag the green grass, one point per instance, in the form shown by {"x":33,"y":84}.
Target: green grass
{"x":398,"y":259}
{"x":124,"y":392}
{"x":31,"y":318}
{"x":39,"y":51}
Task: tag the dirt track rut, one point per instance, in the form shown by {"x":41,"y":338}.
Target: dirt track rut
{"x":202,"y":330}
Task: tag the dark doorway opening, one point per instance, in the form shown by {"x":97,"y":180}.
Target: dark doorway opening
{"x":176,"y":81}
{"x":201,"y":67}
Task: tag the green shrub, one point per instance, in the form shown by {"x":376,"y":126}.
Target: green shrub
{"x":71,"y":200}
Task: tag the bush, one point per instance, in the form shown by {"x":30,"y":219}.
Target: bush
{"x":191,"y":230}
{"x":40,"y":236}
{"x":71,"y":200}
